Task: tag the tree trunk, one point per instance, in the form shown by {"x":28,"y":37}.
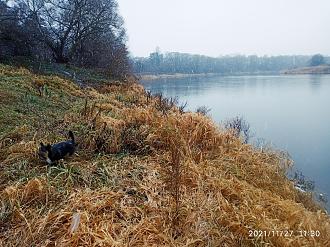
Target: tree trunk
{"x":59,"y":56}
{"x":61,"y":59}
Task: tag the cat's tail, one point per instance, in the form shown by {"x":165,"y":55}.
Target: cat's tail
{"x":72,"y":137}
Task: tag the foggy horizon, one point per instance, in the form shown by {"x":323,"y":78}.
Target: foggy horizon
{"x":219,"y":28}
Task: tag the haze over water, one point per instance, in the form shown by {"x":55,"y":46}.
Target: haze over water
{"x":289,"y":111}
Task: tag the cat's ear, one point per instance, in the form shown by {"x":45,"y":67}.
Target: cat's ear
{"x":41,"y":144}
{"x":48,"y":147}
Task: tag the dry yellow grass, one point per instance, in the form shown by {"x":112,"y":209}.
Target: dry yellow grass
{"x":142,"y":175}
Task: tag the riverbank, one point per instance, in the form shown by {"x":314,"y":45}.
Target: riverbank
{"x":321,"y":69}
{"x":146,"y":173}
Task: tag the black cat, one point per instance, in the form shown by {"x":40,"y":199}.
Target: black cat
{"x":52,"y":153}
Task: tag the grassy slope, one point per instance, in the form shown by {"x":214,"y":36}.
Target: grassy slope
{"x":144,"y":174}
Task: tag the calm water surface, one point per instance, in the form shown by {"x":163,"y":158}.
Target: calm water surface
{"x":292,"y":112}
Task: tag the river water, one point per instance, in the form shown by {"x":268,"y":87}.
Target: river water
{"x":289,"y":112}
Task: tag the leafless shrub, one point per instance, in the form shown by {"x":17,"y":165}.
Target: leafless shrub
{"x":182,"y":107}
{"x":173,"y":101}
{"x":164,"y":104}
{"x":148,"y":95}
{"x":176,"y":182}
{"x":101,"y":139}
{"x":240,"y":127}
{"x":204,"y":110}
{"x":84,"y":111}
{"x":302,"y":182}
{"x":175,"y":170}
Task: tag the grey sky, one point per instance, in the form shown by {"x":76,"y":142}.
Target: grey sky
{"x":220,"y":27}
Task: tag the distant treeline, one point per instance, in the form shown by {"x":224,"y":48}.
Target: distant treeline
{"x":84,"y":33}
{"x":174,"y":62}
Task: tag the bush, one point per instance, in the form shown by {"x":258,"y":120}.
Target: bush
{"x":239,"y":127}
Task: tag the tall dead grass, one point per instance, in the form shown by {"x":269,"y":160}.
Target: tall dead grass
{"x":145,"y":174}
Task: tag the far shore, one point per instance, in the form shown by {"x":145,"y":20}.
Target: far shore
{"x":176,"y":75}
{"x":321,"y":69}
{"x":147,"y":77}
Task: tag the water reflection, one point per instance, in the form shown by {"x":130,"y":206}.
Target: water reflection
{"x":315,"y":81}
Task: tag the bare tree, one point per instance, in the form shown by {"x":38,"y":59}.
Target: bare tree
{"x":82,"y":32}
{"x":64,"y":25}
{"x":15,"y":38}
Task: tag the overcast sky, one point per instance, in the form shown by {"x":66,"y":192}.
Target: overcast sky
{"x":221,"y":27}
